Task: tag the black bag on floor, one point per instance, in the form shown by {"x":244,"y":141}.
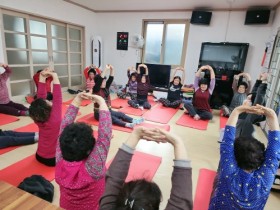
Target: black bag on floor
{"x":38,"y":186}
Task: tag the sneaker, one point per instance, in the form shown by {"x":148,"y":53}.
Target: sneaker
{"x":129,"y":125}
{"x":138,"y":120}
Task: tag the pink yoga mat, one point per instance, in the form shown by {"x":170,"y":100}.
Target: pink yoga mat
{"x":160,"y":114}
{"x":223,"y":121}
{"x":6,"y":119}
{"x":204,"y":189}
{"x":188,"y":121}
{"x":119,"y":103}
{"x":29,"y":99}
{"x":15,"y":173}
{"x":84,"y":102}
{"x":89,"y":119}
{"x":142,"y":166}
{"x":133,"y":111}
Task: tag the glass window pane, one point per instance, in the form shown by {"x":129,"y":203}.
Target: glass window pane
{"x":58,"y":31}
{"x":40,"y":57}
{"x":20,"y":88}
{"x":38,"y":43}
{"x":75,"y":34}
{"x":75,"y":58}
{"x":60,"y":57}
{"x":76,"y":81}
{"x":59,"y":45}
{"x":75,"y":46}
{"x":37,"y":27}
{"x":76,"y":69}
{"x":61,"y":70}
{"x":153,"y":43}
{"x":64,"y":81}
{"x":20,"y":73}
{"x":15,"y":40}
{"x":13,"y":23}
{"x":37,"y":68}
{"x":174,"y":40}
{"x":17,"y":57}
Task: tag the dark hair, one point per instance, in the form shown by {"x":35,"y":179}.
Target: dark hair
{"x":249,"y":153}
{"x":203,"y":81}
{"x":92,"y":70}
{"x":177,"y":77}
{"x":39,"y":110}
{"x":76,"y":142}
{"x":134,"y":74}
{"x":243,"y":83}
{"x":139,"y":194}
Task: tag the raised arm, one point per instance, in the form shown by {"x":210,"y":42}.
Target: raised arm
{"x":95,"y":164}
{"x":69,"y":118}
{"x":99,"y":79}
{"x":111,"y":77}
{"x":7,"y":72}
{"x":212,"y":79}
{"x":249,"y":82}
{"x":272,"y":156}
{"x":181,"y":191}
{"x":42,"y":91}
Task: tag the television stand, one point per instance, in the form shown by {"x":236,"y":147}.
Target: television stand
{"x":160,"y":89}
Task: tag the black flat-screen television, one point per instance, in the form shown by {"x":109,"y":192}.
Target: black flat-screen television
{"x":224,"y":55}
{"x":159,"y":74}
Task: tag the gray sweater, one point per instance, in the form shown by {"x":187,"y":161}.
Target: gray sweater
{"x":181,"y":192}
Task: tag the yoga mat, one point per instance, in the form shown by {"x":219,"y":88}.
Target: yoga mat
{"x":223,"y":121}
{"x":29,"y":99}
{"x":188,"y":121}
{"x":142,"y":166}
{"x":84,"y":102}
{"x":204,"y":189}
{"x":160,"y":114}
{"x":89,"y":119}
{"x":133,"y":111}
{"x":15,"y":173}
{"x":119,"y":103}
{"x":6,"y":119}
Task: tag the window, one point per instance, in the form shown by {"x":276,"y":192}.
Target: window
{"x":33,"y":43}
{"x":165,"y":42}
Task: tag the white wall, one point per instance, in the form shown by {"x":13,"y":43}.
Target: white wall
{"x":58,"y":10}
{"x":225,"y":26}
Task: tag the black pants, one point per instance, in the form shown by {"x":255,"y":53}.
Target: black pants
{"x":139,"y":102}
{"x":118,"y":118}
{"x":172,"y":104}
{"x":204,"y":115}
{"x":45,"y":161}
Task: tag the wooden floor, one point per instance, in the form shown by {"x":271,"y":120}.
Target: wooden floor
{"x":202,"y":148}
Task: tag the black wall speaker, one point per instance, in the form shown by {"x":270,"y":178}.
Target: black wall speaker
{"x":201,"y":17}
{"x":257,"y":17}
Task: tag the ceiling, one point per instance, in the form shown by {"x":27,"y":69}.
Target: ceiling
{"x":171,"y":5}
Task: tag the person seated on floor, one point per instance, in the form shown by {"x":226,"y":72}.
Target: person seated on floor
{"x":47,"y":117}
{"x":240,"y":90}
{"x":174,"y":94}
{"x":246,"y":121}
{"x":80,"y":158}
{"x":143,"y":87}
{"x":11,"y":138}
{"x":91,"y":73}
{"x":130,"y":89}
{"x":143,"y":194}
{"x":101,"y":88}
{"x":200,"y":107}
{"x":49,"y":80}
{"x":6,"y":105}
{"x":246,"y":169}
